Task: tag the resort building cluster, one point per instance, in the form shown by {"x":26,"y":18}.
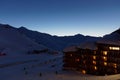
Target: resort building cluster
{"x":98,"y":58}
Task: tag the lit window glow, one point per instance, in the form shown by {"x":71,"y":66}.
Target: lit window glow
{"x":105,"y":63}
{"x":94,"y":57}
{"x":105,"y":58}
{"x":71,"y":55}
{"x":114,"y":48}
{"x":104,"y":52}
{"x":95,"y":68}
{"x":115,"y":65}
{"x":83,"y":71}
{"x":94,"y":62}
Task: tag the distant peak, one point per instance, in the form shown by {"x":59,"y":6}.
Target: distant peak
{"x":5,"y":26}
{"x":22,"y":27}
{"x":79,"y":35}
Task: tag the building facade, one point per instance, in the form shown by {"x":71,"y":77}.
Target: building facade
{"x":98,"y":58}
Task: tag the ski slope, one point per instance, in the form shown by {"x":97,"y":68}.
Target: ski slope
{"x":43,"y":67}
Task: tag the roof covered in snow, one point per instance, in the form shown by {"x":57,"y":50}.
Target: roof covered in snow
{"x":92,"y":45}
{"x":110,"y":42}
{"x":88,"y":45}
{"x":70,"y":49}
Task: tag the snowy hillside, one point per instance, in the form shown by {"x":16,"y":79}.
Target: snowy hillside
{"x":17,"y":66}
{"x":12,"y":42}
{"x":44,"y":67}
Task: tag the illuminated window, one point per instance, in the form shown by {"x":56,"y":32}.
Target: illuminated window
{"x":114,"y":48}
{"x":115,"y":65}
{"x":95,"y":68}
{"x":71,"y":55}
{"x":105,"y":58}
{"x":104,"y":52}
{"x":94,"y":62}
{"x":94,"y":57}
{"x":105,"y":63}
{"x":77,"y":60}
{"x":83,"y":71}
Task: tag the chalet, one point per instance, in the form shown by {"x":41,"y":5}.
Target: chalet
{"x":98,"y":58}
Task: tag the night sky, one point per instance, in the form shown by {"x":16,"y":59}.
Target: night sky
{"x":63,"y":17}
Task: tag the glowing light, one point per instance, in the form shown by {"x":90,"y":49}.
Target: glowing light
{"x":114,"y":48}
{"x":105,"y":63}
{"x":94,"y":57}
{"x":115,"y":65}
{"x":104,"y":52}
{"x":105,"y":58}
{"x":83,"y":71}
{"x":94,"y":62}
{"x":95,"y":68}
{"x":71,"y":55}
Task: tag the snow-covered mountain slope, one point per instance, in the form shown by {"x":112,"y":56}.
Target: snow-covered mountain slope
{"x":22,"y":39}
{"x":42,"y":66}
{"x":113,"y":36}
{"x":56,"y":42}
{"x":13,"y":42}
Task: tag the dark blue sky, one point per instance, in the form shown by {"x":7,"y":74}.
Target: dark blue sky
{"x":63,"y":17}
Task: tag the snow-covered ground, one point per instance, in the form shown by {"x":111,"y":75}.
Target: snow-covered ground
{"x":41,"y":67}
{"x":17,"y":64}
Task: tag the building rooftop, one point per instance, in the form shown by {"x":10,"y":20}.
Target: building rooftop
{"x":88,"y":45}
{"x":91,"y":45}
{"x":110,"y":42}
{"x":70,"y":49}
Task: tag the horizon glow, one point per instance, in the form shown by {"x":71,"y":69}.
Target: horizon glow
{"x":63,"y":17}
